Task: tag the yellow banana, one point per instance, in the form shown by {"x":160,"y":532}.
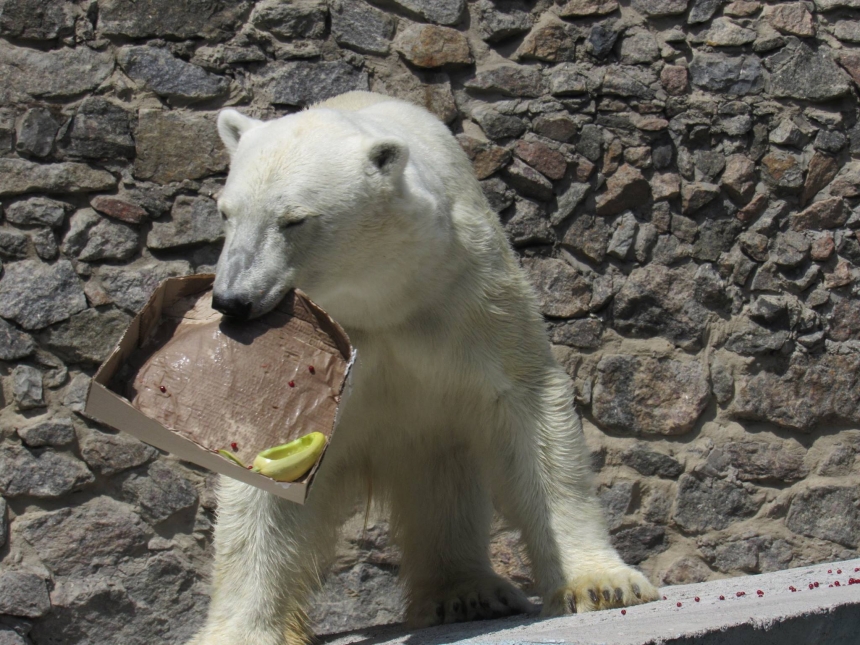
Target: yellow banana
{"x":288,"y":462}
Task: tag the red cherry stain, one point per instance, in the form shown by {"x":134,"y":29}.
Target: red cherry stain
{"x":830,"y":571}
{"x":311,"y":369}
{"x":234,"y":446}
{"x":760,"y":593}
{"x":741,"y":593}
{"x":292,"y":384}
{"x":664,"y":597}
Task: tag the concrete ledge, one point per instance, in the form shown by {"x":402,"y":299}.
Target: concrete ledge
{"x":823,"y":615}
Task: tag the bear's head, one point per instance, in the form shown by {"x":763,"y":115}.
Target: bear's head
{"x":315,"y":200}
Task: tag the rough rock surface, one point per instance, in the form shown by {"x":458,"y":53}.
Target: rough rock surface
{"x":679,"y":177}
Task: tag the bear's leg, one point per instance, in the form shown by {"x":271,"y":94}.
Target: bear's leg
{"x":269,"y":556}
{"x":543,"y":483}
{"x":441,"y":517}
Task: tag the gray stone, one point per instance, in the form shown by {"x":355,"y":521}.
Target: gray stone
{"x":828,"y":513}
{"x":809,"y":75}
{"x":45,"y":474}
{"x":583,"y":334}
{"x":645,"y":395}
{"x":702,"y":11}
{"x":649,"y":463}
{"x":100,"y":129}
{"x":622,"y":238}
{"x":14,"y":344}
{"x":760,"y":461}
{"x":174,"y":146}
{"x":731,"y":75}
{"x":37,"y":19}
{"x":590,"y":144}
{"x":638,"y":543}
{"x":159,"y":71}
{"x":589,"y":236}
{"x":302,"y":83}
{"x":616,"y":501}
{"x":443,"y":12}
{"x":495,"y":26}
{"x":23,"y":594}
{"x":626,"y":80}
{"x":787,"y":133}
{"x":498,"y":194}
{"x":837,"y":463}
{"x":82,"y":539}
{"x":569,"y":200}
{"x":27,"y":387}
{"x":92,"y":237}
{"x":356,"y":24}
{"x":496,"y":125}
{"x":712,"y":504}
{"x":601,"y":39}
{"x":829,"y":141}
{"x":813,"y":390}
{"x":751,"y":339}
{"x":13,"y":244}
{"x":686,"y":570}
{"x":790,"y":249}
{"x":508,"y":80}
{"x":4,"y":523}
{"x":558,"y":127}
{"x":193,"y":220}
{"x":37,"y":211}
{"x":160,"y":491}
{"x":55,"y":74}
{"x":76,"y":394}
{"x":568,"y":79}
{"x":130,"y":286}
{"x":660,"y":7}
{"x":724,"y":32}
{"x":160,"y":18}
{"x":301,"y":19}
{"x":87,"y":337}
{"x":657,"y":300}
{"x":562,"y":291}
{"x":781,"y":169}
{"x":528,"y":181}
{"x":18,"y":176}
{"x":639,"y":48}
{"x":529,"y":225}
{"x":109,"y":454}
{"x":36,"y":133}
{"x":51,"y":431}
{"x":35,"y":295}
{"x":45,"y":244}
{"x":715,"y":237}
{"x":625,"y":190}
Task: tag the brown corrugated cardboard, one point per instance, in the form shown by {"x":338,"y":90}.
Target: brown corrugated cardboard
{"x":189,"y":382}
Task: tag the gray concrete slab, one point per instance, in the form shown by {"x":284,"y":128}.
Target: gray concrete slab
{"x":824,"y":615}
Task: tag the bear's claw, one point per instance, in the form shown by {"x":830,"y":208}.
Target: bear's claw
{"x":621,"y":587}
{"x":493,"y":597}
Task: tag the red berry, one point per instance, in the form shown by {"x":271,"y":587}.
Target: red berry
{"x":741,"y":593}
{"x":722,"y":597}
{"x":234,"y":446}
{"x":856,"y":569}
{"x":311,"y":369}
{"x":162,"y":388}
{"x":292,"y":384}
{"x":696,"y":599}
{"x":816,"y":584}
{"x":830,"y":571}
{"x":759,"y":592}
{"x":664,"y":597}
{"x":792,"y":589}
{"x":623,"y":612}
{"x":839,"y":571}
{"x":679,"y":604}
{"x":836,"y":583}
{"x":811,"y":586}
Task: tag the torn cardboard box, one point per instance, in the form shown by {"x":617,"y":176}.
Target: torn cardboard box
{"x":190,"y":382}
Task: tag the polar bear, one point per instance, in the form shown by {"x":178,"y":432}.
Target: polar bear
{"x":369,"y":205}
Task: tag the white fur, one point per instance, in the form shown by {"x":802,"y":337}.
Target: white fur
{"x":456,"y":402}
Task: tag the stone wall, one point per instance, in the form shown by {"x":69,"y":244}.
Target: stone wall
{"x":680,"y":177}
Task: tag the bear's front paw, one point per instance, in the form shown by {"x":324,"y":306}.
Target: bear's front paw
{"x":603,"y":589}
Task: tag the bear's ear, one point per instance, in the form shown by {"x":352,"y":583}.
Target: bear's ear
{"x":388,"y":156}
{"x":232,"y":125}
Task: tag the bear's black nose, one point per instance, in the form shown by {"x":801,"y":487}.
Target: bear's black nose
{"x":232,"y":306}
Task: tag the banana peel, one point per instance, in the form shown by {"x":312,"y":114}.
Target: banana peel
{"x":289,"y":461}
